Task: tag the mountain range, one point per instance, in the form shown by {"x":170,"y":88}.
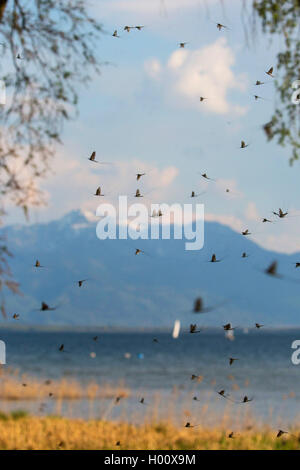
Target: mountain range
{"x":151,"y":289}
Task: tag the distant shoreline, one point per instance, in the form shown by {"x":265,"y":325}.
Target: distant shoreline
{"x":132,"y":330}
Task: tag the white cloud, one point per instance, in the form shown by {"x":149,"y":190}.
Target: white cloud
{"x":278,"y":237}
{"x":284,"y":243}
{"x":252,"y":212}
{"x":230,"y":220}
{"x":223,"y":184}
{"x":153,"y":68}
{"x":189,"y":74}
{"x":74,"y":183}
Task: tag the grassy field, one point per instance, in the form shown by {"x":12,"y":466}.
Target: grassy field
{"x":21,"y":432}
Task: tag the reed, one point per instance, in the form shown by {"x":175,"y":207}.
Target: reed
{"x":17,"y":386}
{"x":38,"y":433}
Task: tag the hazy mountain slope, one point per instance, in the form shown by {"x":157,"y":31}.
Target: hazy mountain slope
{"x":154,"y":289}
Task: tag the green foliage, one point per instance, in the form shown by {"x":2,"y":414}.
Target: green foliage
{"x":281,"y":17}
{"x":3,"y":416}
{"x":14,"y":415}
{"x":19,"y":414}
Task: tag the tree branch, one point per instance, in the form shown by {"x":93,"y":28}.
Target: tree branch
{"x":2,"y":8}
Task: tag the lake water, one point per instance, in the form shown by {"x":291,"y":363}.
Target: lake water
{"x":161,"y":372}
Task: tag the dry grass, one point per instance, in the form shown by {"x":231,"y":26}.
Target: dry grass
{"x":34,"y":433}
{"x":160,"y":418}
{"x":16,"y":386}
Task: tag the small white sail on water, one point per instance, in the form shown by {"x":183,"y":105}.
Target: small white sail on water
{"x":176,"y":329}
{"x":229,"y":335}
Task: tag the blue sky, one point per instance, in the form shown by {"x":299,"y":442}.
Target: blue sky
{"x":144,"y":114}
